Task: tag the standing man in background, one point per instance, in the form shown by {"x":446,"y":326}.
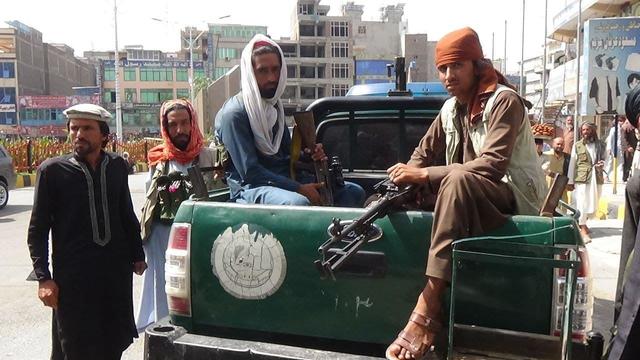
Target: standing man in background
{"x":84,"y":199}
{"x":586,"y":174}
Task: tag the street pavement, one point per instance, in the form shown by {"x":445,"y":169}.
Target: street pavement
{"x":27,"y":323}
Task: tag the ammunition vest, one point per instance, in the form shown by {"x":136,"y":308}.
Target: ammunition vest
{"x":585,"y":164}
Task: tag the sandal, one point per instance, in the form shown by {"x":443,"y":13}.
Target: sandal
{"x":412,"y":342}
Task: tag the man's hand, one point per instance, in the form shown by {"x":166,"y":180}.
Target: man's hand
{"x":310,"y":191}
{"x":48,"y":293}
{"x":317,"y":154}
{"x":139,"y":267}
{"x":599,"y":165}
{"x":571,"y":187}
{"x":630,"y":150}
{"x":405,"y":174}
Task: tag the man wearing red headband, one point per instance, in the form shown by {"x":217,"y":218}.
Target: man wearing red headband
{"x":251,"y":126}
{"x":182,"y":147}
{"x":491,"y":171}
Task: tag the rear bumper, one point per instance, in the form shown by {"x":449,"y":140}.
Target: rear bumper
{"x":170,"y":342}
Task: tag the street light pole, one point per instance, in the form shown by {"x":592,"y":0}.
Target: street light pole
{"x":117,"y":71}
{"x":522,"y":55}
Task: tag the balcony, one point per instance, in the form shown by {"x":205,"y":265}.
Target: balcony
{"x":565,"y":22}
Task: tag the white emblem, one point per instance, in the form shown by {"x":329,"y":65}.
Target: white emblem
{"x":249,"y":261}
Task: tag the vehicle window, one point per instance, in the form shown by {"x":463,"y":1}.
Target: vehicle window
{"x":378,"y":146}
{"x":377,"y":143}
{"x":335,"y":140}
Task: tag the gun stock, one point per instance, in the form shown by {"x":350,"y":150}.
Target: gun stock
{"x":305,"y":125}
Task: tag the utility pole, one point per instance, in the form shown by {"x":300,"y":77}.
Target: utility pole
{"x":493,"y":45}
{"x":504,"y":59}
{"x":522,"y":54}
{"x":543,"y":96}
{"x":117,"y":71}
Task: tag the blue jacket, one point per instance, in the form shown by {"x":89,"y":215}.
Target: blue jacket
{"x":249,"y":168}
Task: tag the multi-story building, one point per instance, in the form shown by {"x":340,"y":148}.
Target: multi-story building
{"x":29,"y":66}
{"x":324,"y":52}
{"x":146,"y":79}
{"x":419,"y":55}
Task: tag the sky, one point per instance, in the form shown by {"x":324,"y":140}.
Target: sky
{"x":89,"y":24}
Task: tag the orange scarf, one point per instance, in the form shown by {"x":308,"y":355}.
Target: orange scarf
{"x":167,"y":151}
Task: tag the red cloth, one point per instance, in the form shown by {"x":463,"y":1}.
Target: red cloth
{"x":464,"y":45}
{"x":167,"y":151}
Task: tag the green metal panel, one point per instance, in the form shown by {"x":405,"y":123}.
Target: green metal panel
{"x":357,"y":308}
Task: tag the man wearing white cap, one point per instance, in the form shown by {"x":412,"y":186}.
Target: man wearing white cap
{"x":84,"y":200}
{"x":251,"y":126}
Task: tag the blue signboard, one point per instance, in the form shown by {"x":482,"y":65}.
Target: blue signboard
{"x":611,"y":64}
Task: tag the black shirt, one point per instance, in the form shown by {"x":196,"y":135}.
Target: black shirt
{"x":70,"y":201}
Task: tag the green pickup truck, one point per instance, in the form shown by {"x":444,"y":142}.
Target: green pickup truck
{"x":242,"y":282}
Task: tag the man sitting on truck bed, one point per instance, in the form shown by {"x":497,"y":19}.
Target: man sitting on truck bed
{"x":252,"y":128}
{"x":491,"y":171}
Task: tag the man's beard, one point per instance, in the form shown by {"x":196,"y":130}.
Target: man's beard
{"x":82,"y":148}
{"x":268,"y":93}
{"x":180,"y":141}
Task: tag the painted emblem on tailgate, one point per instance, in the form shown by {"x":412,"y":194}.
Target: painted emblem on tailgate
{"x":249,"y":261}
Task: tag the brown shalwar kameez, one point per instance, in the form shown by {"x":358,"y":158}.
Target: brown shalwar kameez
{"x":471,"y":198}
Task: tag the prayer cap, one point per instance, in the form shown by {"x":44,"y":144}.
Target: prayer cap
{"x":87,"y":112}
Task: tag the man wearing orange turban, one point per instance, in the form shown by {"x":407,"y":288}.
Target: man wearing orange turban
{"x":491,"y":171}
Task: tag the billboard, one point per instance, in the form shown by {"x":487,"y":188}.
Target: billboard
{"x":55,"y":102}
{"x":612,"y":64}
{"x":183,"y":64}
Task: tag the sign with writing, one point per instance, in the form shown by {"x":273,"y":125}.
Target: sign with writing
{"x":612,"y":64}
{"x":55,"y":102}
{"x":156,"y":64}
{"x":7,"y":108}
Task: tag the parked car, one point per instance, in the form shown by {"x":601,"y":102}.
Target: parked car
{"x":7,"y":176}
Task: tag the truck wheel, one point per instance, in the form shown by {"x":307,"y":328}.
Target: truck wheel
{"x":4,"y":194}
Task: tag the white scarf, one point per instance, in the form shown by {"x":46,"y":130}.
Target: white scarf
{"x":262,"y":113}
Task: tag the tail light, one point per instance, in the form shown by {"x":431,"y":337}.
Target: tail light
{"x":176,"y":270}
{"x":582,"y":299}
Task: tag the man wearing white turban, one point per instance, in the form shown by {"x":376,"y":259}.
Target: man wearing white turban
{"x":251,"y":126}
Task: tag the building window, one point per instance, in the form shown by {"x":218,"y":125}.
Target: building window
{"x":182,"y":75}
{"x":227,"y":53}
{"x":109,"y":74}
{"x":156,"y":74}
{"x":340,"y":71}
{"x":340,"y":49}
{"x":154,"y":96}
{"x":198,"y":73}
{"x":340,"y":28}
{"x":7,"y":70}
{"x":130,"y":95}
{"x":8,"y":118}
{"x":362,"y":29}
{"x":108,"y":96}
{"x":129,"y":74}
{"x":182,"y":93}
{"x":305,"y":9}
{"x":339,"y":89}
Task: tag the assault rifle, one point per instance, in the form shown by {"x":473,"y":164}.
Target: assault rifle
{"x":361,"y":230}
{"x":329,"y":175}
